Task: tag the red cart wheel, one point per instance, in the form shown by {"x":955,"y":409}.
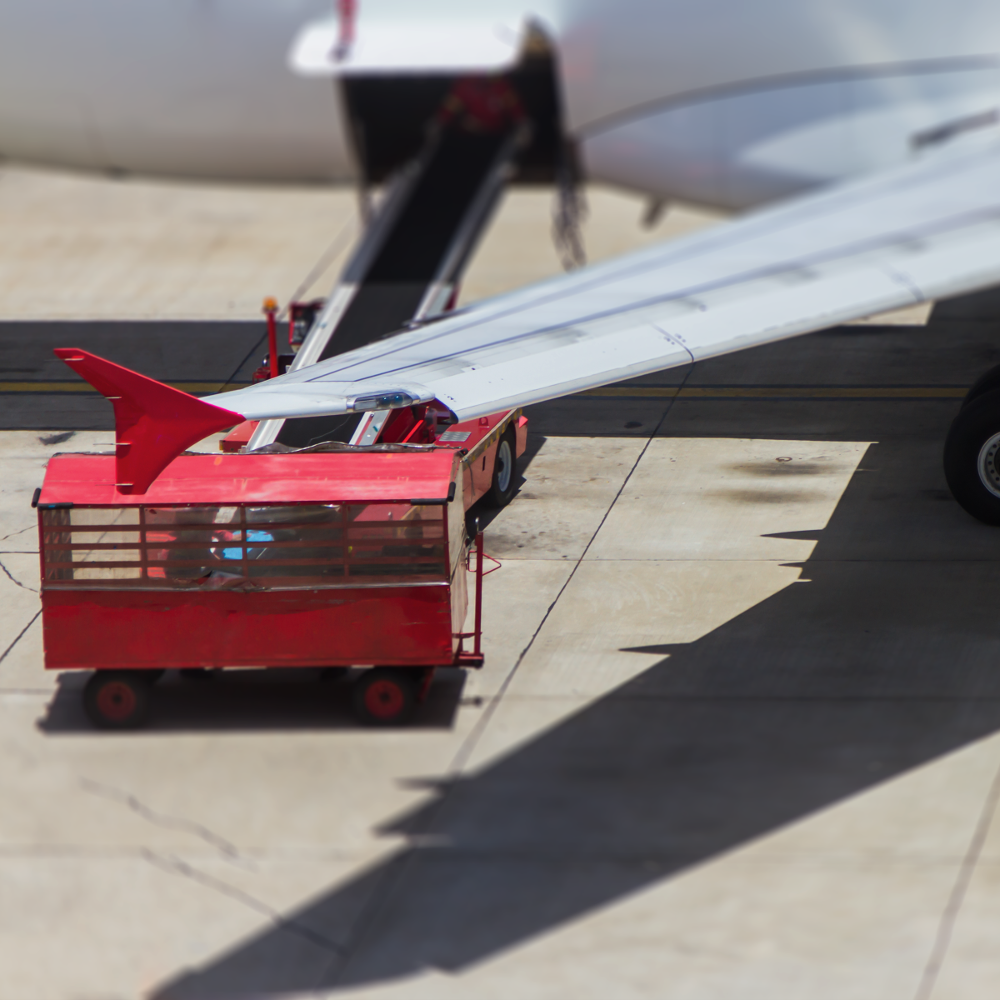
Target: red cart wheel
{"x":117,"y":699}
{"x":384,"y":697}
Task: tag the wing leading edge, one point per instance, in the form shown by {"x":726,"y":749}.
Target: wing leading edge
{"x":929,"y":229}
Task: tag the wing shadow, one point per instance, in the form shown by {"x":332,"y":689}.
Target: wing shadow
{"x":881,"y":659}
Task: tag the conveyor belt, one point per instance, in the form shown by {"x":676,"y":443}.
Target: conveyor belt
{"x":409,"y":261}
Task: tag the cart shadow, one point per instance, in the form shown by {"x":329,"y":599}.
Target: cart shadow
{"x":248,"y":700}
{"x":883,"y":658}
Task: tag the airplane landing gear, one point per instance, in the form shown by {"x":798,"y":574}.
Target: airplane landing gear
{"x":972,"y":451}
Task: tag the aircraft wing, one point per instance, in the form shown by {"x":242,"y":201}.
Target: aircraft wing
{"x":923,"y":231}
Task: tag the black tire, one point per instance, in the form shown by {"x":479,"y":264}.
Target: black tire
{"x":972,"y":457}
{"x":385,"y":697}
{"x":117,"y":699}
{"x":331,"y":675}
{"x":504,"y":484}
{"x":984,"y":384}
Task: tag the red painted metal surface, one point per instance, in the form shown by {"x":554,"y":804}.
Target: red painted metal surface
{"x":238,"y":437}
{"x":477,"y":649}
{"x":153,"y":422}
{"x":328,"y":559}
{"x":521,"y":432}
{"x":477,"y":441}
{"x":475,"y":658}
{"x":404,"y":626}
{"x":346,"y":477}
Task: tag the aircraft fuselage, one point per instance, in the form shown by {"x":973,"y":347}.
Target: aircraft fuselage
{"x":724,"y":102}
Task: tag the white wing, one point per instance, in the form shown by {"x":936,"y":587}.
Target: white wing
{"x":923,"y":231}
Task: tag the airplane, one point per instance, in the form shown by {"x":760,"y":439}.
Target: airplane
{"x":857,"y":141}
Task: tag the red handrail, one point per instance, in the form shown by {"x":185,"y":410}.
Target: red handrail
{"x":479,"y":593}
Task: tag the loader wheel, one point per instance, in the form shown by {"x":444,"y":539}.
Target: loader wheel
{"x":504,"y":484}
{"x":117,"y":699}
{"x":384,"y":697}
{"x":972,"y":457}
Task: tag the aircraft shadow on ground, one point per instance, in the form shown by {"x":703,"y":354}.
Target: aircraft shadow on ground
{"x":882,"y":659}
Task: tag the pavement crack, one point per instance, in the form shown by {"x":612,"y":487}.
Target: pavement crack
{"x":227,"y":849}
{"x":14,"y":580}
{"x":954,"y":905}
{"x":20,"y":531}
{"x":175,"y":866}
{"x":20,"y":635}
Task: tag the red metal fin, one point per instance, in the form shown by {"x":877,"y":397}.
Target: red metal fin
{"x":154,"y":422}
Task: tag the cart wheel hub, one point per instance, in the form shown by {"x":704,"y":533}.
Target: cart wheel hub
{"x":116,"y":701}
{"x":384,"y":699}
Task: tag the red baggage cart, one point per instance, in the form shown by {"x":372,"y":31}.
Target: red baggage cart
{"x":344,"y":559}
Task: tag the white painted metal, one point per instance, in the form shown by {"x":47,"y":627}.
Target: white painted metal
{"x":409,"y":43}
{"x":744,"y":148}
{"x":912,"y":233}
{"x":369,"y":428}
{"x":729,"y":102}
{"x":190,"y":88}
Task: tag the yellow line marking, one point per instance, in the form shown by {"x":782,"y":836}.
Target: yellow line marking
{"x":782,"y":392}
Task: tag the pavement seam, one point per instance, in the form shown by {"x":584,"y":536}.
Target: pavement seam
{"x":469,"y":744}
{"x":20,"y":635}
{"x":20,"y":531}
{"x":13,"y":580}
{"x":396,"y":871}
{"x":949,"y":916}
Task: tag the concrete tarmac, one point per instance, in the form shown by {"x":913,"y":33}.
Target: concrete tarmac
{"x":736,"y":735}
